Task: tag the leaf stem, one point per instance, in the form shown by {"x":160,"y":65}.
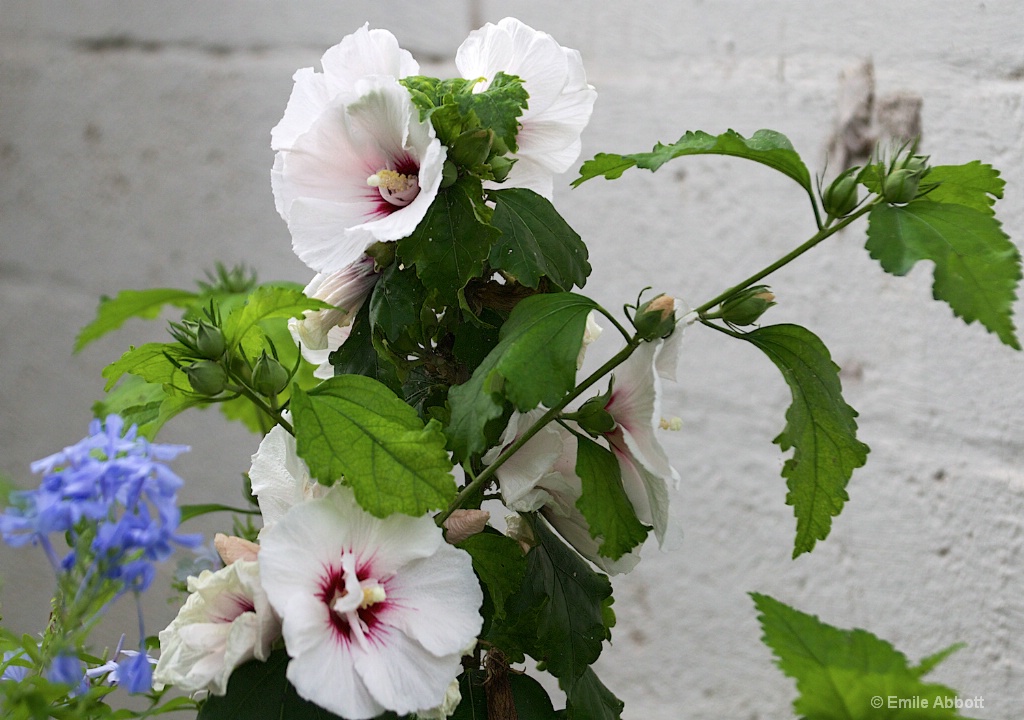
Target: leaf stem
{"x":823,"y":233}
{"x":255,"y":400}
{"x":616,"y":323}
{"x":547,"y":417}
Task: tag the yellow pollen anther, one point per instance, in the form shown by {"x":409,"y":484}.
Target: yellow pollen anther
{"x":373,"y":595}
{"x":671,"y":424}
{"x":390,"y":180}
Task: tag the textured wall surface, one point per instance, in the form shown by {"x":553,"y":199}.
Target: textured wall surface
{"x":134,"y":152}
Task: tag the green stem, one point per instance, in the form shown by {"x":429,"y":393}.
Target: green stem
{"x":825,"y":232}
{"x":478,"y":481}
{"x":255,"y":400}
{"x":616,"y":323}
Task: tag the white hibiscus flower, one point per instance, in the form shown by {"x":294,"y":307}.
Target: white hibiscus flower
{"x":225,"y":622}
{"x":560,"y":99}
{"x":376,"y":613}
{"x":279,"y":477}
{"x":354,"y":164}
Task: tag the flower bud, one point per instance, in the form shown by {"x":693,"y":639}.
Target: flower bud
{"x":900,"y":186}
{"x":268,"y":376}
{"x":747,"y":306}
{"x":207,"y":377}
{"x":449,"y":174}
{"x":471,"y":148}
{"x":501,"y":166}
{"x":210,"y":341}
{"x":656,"y":318}
{"x":840,"y":198}
{"x":593,"y":418}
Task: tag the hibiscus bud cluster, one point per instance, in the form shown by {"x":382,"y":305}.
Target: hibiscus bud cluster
{"x":902,"y":181}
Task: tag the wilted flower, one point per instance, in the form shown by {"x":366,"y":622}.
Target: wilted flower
{"x":354,"y":163}
{"x":560,"y":99}
{"x":376,"y":613}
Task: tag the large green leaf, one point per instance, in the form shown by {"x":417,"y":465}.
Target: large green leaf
{"x":820,"y":428}
{"x":498,"y":107}
{"x":571,"y":625}
{"x":604,"y":503}
{"x":977,"y":267}
{"x":975,"y":185}
{"x":587,"y":698}
{"x":534,"y":363}
{"x":358,"y":356}
{"x":354,"y":426}
{"x":849,"y":674}
{"x":113,"y":312}
{"x":146,"y":405}
{"x":396,"y":302}
{"x":764,"y":146}
{"x":530,"y":699}
{"x":153,"y":362}
{"x":536,"y":241}
{"x":450,"y":244}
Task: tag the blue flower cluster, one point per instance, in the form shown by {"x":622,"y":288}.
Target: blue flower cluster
{"x":114,"y":485}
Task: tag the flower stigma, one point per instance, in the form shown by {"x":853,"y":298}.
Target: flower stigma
{"x":395,"y":187}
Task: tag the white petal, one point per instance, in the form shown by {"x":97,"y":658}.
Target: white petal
{"x":403,"y":677}
{"x":325,"y":674}
{"x":367,"y":52}
{"x":278,"y":476}
{"x":440,"y":600}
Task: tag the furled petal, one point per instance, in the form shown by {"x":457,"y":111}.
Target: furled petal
{"x":521,"y":474}
{"x":279,"y":478}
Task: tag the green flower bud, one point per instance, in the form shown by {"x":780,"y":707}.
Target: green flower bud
{"x":840,"y":198}
{"x":900,"y":186}
{"x":501,"y":166}
{"x":210,"y":341}
{"x":471,"y":148}
{"x":207,"y":377}
{"x":593,"y":418}
{"x":656,"y":318}
{"x":747,"y":306}
{"x":268,"y":376}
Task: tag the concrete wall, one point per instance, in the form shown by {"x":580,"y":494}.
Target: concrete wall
{"x":134,"y":152}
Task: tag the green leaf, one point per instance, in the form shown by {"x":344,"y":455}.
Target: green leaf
{"x":534,"y":363}
{"x":135,"y":400}
{"x":354,"y":426}
{"x":396,"y":301}
{"x":498,"y":107}
{"x":113,"y":312}
{"x":153,"y":363}
{"x":587,"y":698}
{"x":499,"y":563}
{"x":272,"y":300}
{"x":571,"y":625}
{"x":841,"y":673}
{"x":604,"y":503}
{"x":260,"y":691}
{"x":820,"y":427}
{"x":450,"y":244}
{"x":530,"y":698}
{"x":192,"y":511}
{"x":764,"y":146}
{"x":358,"y":356}
{"x":536,"y":242}
{"x":977,"y":267}
{"x":974,"y":185}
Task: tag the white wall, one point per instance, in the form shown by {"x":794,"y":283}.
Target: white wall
{"x":134,"y":152}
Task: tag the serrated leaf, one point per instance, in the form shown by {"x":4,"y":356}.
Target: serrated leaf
{"x":260,"y":691}
{"x":354,"y":426}
{"x":396,"y":302}
{"x":977,"y":267}
{"x":841,"y":674}
{"x":153,"y":363}
{"x":450,"y":244}
{"x":820,"y":428}
{"x":112,"y":313}
{"x":499,"y":563}
{"x":604,"y":503}
{"x":536,"y":241}
{"x":570,"y":626}
{"x":974,"y":185}
{"x":498,"y":107}
{"x":272,"y":300}
{"x":767,"y":147}
{"x":533,"y":363}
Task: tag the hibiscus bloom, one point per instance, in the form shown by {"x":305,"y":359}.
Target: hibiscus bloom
{"x":320,"y":332}
{"x":354,"y":163}
{"x":376,"y":612}
{"x":560,"y":99}
{"x":225,"y":622}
